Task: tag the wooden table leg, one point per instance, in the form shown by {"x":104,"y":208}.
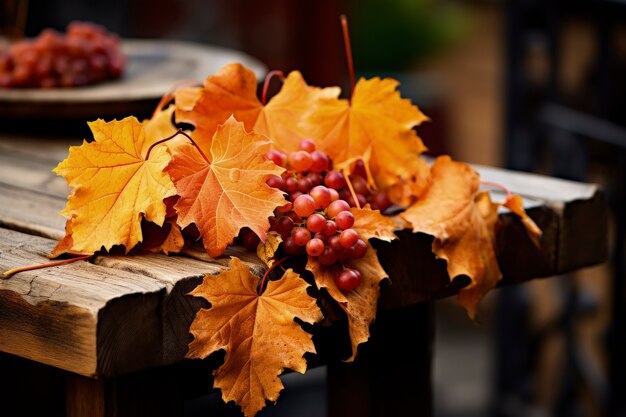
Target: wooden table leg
{"x":151,"y":393}
{"x":392,"y":373}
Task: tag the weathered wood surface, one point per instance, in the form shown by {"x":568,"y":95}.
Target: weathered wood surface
{"x":125,"y":313}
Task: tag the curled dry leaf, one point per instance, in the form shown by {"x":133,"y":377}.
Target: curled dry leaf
{"x":227,"y":192}
{"x":229,"y":92}
{"x":266,"y":251}
{"x":359,"y":304}
{"x":258,"y":332}
{"x":114,"y":186}
{"x":462,"y":221}
{"x":516,"y":205}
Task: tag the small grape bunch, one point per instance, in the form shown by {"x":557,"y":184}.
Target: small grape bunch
{"x":317,"y":220}
{"x":86,"y":54}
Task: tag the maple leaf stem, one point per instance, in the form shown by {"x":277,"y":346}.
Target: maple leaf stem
{"x":178,"y":132}
{"x":267,"y":273}
{"x":497,"y":185}
{"x":350,"y":187}
{"x":268,"y":79}
{"x":10,"y":272}
{"x":170,"y":94}
{"x":346,"y":41}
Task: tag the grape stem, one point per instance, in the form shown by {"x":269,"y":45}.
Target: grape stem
{"x":10,"y":272}
{"x":497,"y":185}
{"x":346,"y":41}
{"x":267,"y":273}
{"x":178,"y":132}
{"x":350,"y":187}
{"x":268,"y":79}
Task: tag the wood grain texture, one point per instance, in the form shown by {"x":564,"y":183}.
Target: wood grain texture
{"x":125,"y":313}
{"x":80,"y":317}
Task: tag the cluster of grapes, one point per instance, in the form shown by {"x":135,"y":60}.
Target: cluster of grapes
{"x":317,"y":220}
{"x":87,"y":54}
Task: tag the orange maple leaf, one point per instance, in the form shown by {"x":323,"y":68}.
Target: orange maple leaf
{"x":377,"y":122}
{"x":258,"y":332}
{"x":230,"y":91}
{"x":463,"y":222}
{"x":227,"y":191}
{"x":370,"y":224}
{"x":282,"y":118}
{"x":114,"y":186}
{"x":359,"y":304}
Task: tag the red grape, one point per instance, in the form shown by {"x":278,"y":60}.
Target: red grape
{"x":344,"y":220}
{"x":285,"y":208}
{"x":300,"y":161}
{"x":359,"y":249}
{"x":315,"y":247}
{"x":301,"y":236}
{"x":348,"y":279}
{"x":290,"y":247}
{"x":284,"y":225}
{"x":380,"y":201}
{"x":335,"y":180}
{"x":276,"y":182}
{"x":316,"y":222}
{"x":291,"y":184}
{"x":251,"y":241}
{"x":334,"y":243}
{"x":321,"y":236}
{"x":359,"y":184}
{"x":320,"y":162}
{"x":307,"y":145}
{"x":304,"y":205}
{"x":334,"y":195}
{"x":277,"y":157}
{"x":330,"y":228}
{"x":336,"y":207}
{"x":321,"y":195}
{"x":359,"y":169}
{"x":362,"y":200}
{"x":348,"y":238}
{"x":316,"y":179}
{"x":293,"y":196}
{"x":327,"y":257}
{"x":304,"y":184}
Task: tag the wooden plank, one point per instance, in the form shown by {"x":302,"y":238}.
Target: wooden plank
{"x":80,"y":317}
{"x":31,"y":212}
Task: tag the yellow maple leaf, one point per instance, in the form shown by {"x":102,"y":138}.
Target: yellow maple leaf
{"x":282,"y":118}
{"x":114,"y":186}
{"x":370,"y":224}
{"x":463,"y":222}
{"x":377,"y":122}
{"x":258,"y":332}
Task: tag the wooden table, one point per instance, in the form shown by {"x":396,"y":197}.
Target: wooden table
{"x":108,"y":338}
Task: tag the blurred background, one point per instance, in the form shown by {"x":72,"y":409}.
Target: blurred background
{"x":533,"y":85}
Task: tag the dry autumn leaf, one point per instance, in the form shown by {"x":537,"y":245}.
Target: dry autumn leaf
{"x":266,"y":251}
{"x":229,"y":92}
{"x":359,"y":304}
{"x":370,"y":224}
{"x":379,"y":121}
{"x":258,"y":332}
{"x":281,"y":119}
{"x":114,"y":186}
{"x":227,"y":192}
{"x":462,"y":221}
{"x":516,"y":205}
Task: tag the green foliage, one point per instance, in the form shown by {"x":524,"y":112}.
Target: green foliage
{"x":394,"y":34}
